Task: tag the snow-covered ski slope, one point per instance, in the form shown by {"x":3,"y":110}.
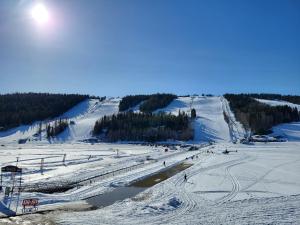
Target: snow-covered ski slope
{"x":290,"y":131}
{"x":85,"y":122}
{"x":84,"y":116}
{"x":210,"y":124}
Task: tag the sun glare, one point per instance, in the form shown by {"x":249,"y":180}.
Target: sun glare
{"x":40,"y":14}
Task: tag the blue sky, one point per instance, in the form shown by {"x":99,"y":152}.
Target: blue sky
{"x":119,"y":47}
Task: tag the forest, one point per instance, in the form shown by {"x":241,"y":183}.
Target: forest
{"x":54,"y":129}
{"x":289,"y":98}
{"x":129,"y":126}
{"x":150,"y":103}
{"x":259,"y":117}
{"x":25,"y":108}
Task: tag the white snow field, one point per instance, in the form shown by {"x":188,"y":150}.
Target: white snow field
{"x":289,"y":131}
{"x":258,"y":184}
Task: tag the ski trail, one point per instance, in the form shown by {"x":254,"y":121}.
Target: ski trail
{"x":237,"y":132}
{"x":235,"y":183}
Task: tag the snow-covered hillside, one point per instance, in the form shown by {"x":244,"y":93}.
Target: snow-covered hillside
{"x":209,"y":124}
{"x":83,"y":115}
{"x":278,"y":103}
{"x":290,"y":131}
{"x":85,"y":121}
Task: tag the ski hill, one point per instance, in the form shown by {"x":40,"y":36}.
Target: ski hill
{"x":83,"y":117}
{"x":290,"y":131}
{"x":209,"y":125}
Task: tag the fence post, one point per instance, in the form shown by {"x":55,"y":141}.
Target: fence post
{"x":42,"y":166}
{"x":64,"y":158}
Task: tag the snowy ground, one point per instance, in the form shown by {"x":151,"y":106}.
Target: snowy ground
{"x":253,"y":184}
{"x":258,"y":184}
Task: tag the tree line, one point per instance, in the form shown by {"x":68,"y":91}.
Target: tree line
{"x":259,"y":117}
{"x":129,"y":126}
{"x":150,"y":103}
{"x":25,"y":108}
{"x":54,"y":129}
{"x":289,"y":98}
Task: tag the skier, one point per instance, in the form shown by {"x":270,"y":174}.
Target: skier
{"x":164,"y":163}
{"x":185,"y":177}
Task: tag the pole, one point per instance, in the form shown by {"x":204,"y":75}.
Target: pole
{"x":19,"y":193}
{"x":42,"y":165}
{"x":64,"y":158}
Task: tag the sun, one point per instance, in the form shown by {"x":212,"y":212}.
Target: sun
{"x":40,"y":14}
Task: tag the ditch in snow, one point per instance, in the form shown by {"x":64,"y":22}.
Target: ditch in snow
{"x":121,"y":193}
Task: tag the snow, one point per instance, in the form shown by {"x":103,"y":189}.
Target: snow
{"x":237,"y":130}
{"x":85,"y":114}
{"x":85,"y":122}
{"x":258,"y":184}
{"x":253,"y":184}
{"x":289,"y":131}
{"x":278,"y":103}
{"x":209,"y":125}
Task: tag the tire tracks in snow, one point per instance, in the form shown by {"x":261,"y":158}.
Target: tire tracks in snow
{"x":188,"y":202}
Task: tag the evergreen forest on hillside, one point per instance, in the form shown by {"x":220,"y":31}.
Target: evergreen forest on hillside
{"x":259,"y":117}
{"x":26,"y":108}
{"x":129,"y":126}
